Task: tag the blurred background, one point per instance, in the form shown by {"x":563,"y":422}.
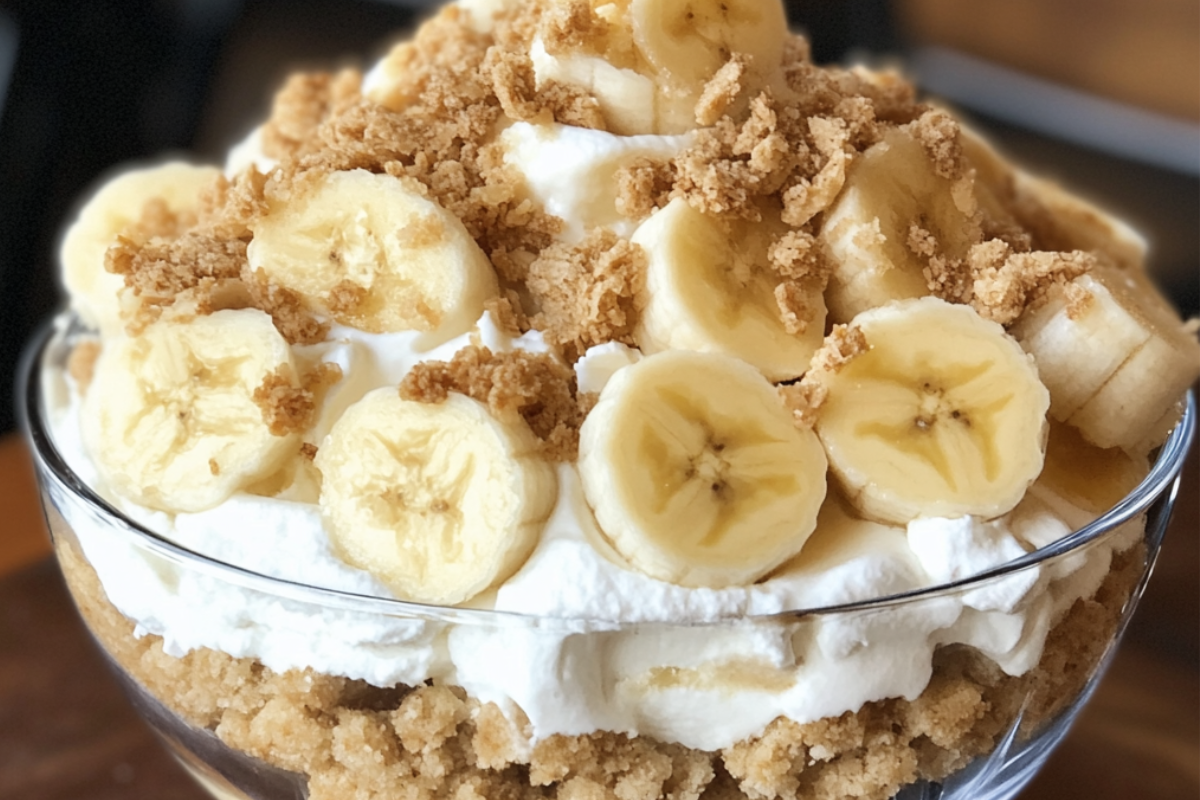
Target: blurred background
{"x":1104,"y":92}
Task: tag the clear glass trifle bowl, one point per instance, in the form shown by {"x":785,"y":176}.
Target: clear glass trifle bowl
{"x":995,"y":667}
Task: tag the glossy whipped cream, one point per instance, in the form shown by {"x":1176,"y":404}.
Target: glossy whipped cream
{"x":613,"y":650}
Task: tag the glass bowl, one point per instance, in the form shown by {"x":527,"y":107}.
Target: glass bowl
{"x":983,"y":714}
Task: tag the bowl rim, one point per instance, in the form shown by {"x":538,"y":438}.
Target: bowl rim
{"x":65,"y":327}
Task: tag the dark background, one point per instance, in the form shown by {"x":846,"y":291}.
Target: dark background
{"x":98,"y":82}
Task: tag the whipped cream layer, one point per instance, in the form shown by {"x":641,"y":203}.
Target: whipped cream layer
{"x":608,"y":648}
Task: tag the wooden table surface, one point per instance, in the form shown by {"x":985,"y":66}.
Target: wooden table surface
{"x":66,"y":732}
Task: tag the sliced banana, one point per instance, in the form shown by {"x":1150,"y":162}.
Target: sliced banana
{"x":695,"y":471}
{"x":628,"y":99}
{"x":1109,"y":476}
{"x":115,"y":207}
{"x":890,"y":188}
{"x":170,"y":418}
{"x":712,"y":291}
{"x":689,"y":40}
{"x":374,"y":253}
{"x":939,"y":414}
{"x":438,"y":501}
{"x":1059,"y":219}
{"x":1114,"y":355}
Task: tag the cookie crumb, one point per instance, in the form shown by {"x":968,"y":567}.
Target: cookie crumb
{"x":721,"y":90}
{"x":1007,"y":283}
{"x":843,"y":344}
{"x":803,"y":400}
{"x":938,"y":133}
{"x":308,"y":451}
{"x":286,"y":407}
{"x":587,"y":292}
{"x":507,"y":313}
{"x":214,"y":467}
{"x":533,"y":386}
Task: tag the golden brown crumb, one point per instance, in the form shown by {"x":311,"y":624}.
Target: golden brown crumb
{"x":308,"y":451}
{"x":572,"y":26}
{"x":586,"y":292}
{"x":797,"y":256}
{"x":507,"y":313}
{"x":938,"y":133}
{"x":161,"y":269}
{"x":642,"y":186}
{"x":1079,"y":300}
{"x":804,"y":401}
{"x":512,"y":81}
{"x":1007,"y":283}
{"x":842,"y":345}
{"x":292,"y":319}
{"x":286,"y":407}
{"x":946,"y":277}
{"x":214,"y":467}
{"x":721,"y":90}
{"x":305,"y":101}
{"x":229,"y":207}
{"x":81,"y":364}
{"x":533,"y":386}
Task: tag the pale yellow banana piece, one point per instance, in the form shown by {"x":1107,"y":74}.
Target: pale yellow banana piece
{"x":170,"y":418}
{"x":1114,"y":355}
{"x":889,"y":188}
{"x":695,"y":472}
{"x":689,"y":40}
{"x":934,"y":412}
{"x":712,"y":291}
{"x":113,"y":209}
{"x":373,"y":253}
{"x":438,"y":500}
{"x":628,"y":99}
{"x":1058,"y":219}
{"x":1090,"y":478}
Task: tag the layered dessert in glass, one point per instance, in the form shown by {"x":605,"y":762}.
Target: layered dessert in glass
{"x":604,"y":401}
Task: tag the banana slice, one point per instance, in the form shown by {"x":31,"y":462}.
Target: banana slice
{"x":689,"y":40}
{"x":890,"y":188}
{"x":171,"y":419}
{"x":695,"y":471}
{"x":1114,"y":355}
{"x":438,"y":501}
{"x":1110,"y":474}
{"x":113,"y":209}
{"x":712,"y":291}
{"x":938,"y":413}
{"x":628,"y":100}
{"x":1059,"y":220}
{"x":372,"y":252}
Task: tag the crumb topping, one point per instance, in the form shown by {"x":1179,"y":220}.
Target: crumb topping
{"x":1006,"y":283}
{"x":290,"y":408}
{"x":721,"y":90}
{"x":803,"y":400}
{"x":841,"y":346}
{"x":586,"y":292}
{"x":533,"y":386}
{"x":937,"y":132}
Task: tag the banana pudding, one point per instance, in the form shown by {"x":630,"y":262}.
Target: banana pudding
{"x":601,"y":400}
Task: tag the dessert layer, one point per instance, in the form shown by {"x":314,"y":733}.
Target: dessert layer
{"x":355,"y":740}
